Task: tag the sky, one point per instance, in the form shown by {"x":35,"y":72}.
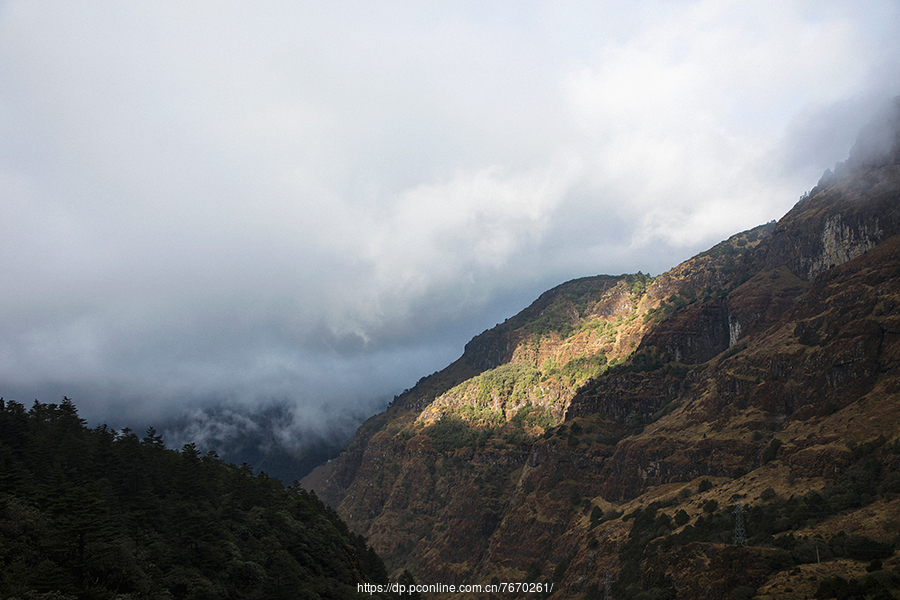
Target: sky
{"x":221,"y":206}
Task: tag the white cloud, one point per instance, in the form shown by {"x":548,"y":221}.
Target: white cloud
{"x":683,"y":113}
{"x":478,"y":220}
{"x":204,"y":201}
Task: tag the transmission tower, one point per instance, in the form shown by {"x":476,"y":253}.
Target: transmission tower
{"x":607,"y":586}
{"x":740,"y":536}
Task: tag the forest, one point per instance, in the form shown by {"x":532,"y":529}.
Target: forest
{"x":97,"y":513}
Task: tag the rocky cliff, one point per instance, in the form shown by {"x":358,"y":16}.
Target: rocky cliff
{"x":618,"y":431}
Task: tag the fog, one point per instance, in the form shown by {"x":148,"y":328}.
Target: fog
{"x":212,"y":209}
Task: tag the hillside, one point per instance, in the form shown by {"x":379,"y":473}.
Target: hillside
{"x":608,"y":433}
{"x":95,"y":513}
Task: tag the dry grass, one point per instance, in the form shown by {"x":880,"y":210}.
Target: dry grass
{"x":804,"y":580}
{"x":879,"y":521}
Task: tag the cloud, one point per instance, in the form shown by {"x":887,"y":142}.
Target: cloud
{"x":316,"y":205}
{"x":685,"y":113}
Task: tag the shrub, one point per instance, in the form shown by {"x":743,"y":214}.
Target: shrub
{"x":593,"y":592}
{"x":771,"y":450}
{"x":808,"y":336}
{"x":743,"y":592}
{"x":860,"y":547}
{"x":451,"y":433}
{"x":582,"y":368}
{"x":811,"y":551}
{"x":575,"y":497}
{"x":834,"y":587}
{"x":510,"y":382}
{"x":891,"y":484}
{"x":560,"y":570}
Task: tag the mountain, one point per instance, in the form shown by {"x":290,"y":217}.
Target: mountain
{"x":256,"y":436}
{"x":728,"y":429}
{"x":95,"y":513}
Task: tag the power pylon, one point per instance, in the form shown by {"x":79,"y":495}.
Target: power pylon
{"x":740,"y":536}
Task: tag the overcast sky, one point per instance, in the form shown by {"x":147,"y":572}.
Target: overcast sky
{"x":319,"y":202}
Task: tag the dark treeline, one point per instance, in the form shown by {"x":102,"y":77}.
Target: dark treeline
{"x":95,"y":513}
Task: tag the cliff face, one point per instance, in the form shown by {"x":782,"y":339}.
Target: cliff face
{"x":837,"y":223}
{"x":612,"y":426}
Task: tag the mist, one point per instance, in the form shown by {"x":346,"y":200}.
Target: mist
{"x":210,"y":214}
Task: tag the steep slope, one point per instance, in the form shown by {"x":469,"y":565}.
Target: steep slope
{"x":607,"y":432}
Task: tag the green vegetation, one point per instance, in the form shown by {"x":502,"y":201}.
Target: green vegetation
{"x":647,"y":526}
{"x":739,"y":243}
{"x":481,"y":414}
{"x":451,"y":432}
{"x":605,"y":432}
{"x":531,"y":416}
{"x":671,"y":305}
{"x":807,"y":335}
{"x":561,"y":568}
{"x":643,"y":362}
{"x":473,"y":426}
{"x":876,"y":585}
{"x":771,"y":450}
{"x":637,"y":283}
{"x":508,"y":384}
{"x":583,"y":368}
{"x":100,"y":514}
{"x":576,"y":371}
{"x":731,"y":351}
{"x":564,"y":308}
{"x":653,"y":533}
{"x":600,"y":326}
{"x":511,"y":383}
{"x":516,"y":385}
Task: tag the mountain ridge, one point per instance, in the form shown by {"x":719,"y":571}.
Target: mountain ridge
{"x":754,"y":371}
